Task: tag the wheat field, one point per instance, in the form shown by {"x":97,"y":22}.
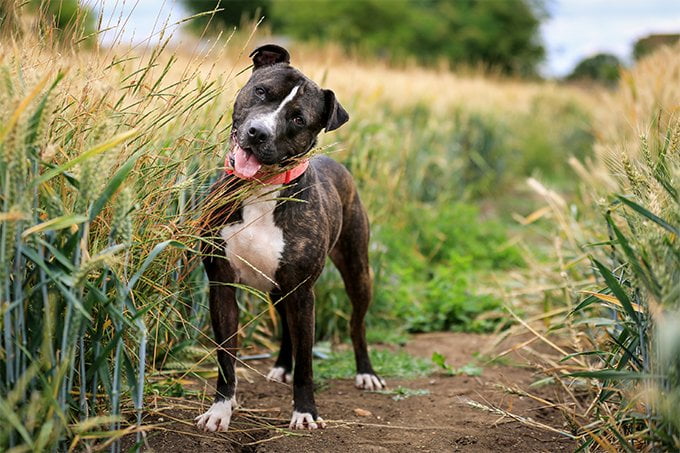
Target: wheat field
{"x":106,"y":154}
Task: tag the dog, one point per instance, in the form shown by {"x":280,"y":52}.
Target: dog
{"x":276,"y":237}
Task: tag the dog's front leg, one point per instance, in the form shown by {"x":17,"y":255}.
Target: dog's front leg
{"x":224,"y":317}
{"x":300,"y":317}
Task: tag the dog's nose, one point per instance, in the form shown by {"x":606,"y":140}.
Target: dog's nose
{"x":258,"y":133}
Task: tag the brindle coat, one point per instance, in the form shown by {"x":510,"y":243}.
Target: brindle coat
{"x":327,"y":218}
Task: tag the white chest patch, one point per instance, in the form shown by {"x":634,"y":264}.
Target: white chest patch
{"x":254,"y":246}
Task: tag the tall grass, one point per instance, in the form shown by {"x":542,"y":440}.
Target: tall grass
{"x":618,"y":267}
{"x":103,"y":160}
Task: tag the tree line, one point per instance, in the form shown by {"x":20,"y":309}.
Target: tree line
{"x":502,"y":36}
{"x":499,"y":35}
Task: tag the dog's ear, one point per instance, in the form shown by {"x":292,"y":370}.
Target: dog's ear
{"x":269,"y":54}
{"x":336,"y":116}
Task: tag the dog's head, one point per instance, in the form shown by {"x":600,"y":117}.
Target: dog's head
{"x":278,"y":113}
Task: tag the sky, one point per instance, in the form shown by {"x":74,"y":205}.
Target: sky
{"x":581,"y":28}
{"x":575,"y":29}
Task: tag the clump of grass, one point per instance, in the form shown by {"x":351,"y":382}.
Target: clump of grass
{"x":469,"y":369}
{"x":340,"y":365}
{"x":428,"y":261}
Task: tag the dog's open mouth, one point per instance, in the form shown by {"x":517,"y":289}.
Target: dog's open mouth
{"x":243,"y":161}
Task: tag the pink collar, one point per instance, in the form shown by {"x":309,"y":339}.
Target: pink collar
{"x":282,"y":178}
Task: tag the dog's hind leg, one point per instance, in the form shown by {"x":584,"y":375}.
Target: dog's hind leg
{"x":281,"y":372}
{"x":224,"y":317}
{"x":350,"y":256}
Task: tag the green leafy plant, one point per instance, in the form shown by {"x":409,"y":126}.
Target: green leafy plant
{"x":401,"y":393}
{"x":601,"y":68}
{"x":469,"y":369}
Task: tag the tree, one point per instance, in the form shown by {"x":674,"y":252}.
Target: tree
{"x":648,"y":44}
{"x":232,"y":12}
{"x":603,"y":67}
{"x":501,"y":34}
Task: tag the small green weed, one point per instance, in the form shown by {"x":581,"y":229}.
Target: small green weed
{"x":166,"y":387}
{"x":340,"y":365}
{"x":401,"y":393}
{"x":428,"y":268}
{"x":469,"y":369}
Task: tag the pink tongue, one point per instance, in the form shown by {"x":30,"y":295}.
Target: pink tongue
{"x":245,"y":164}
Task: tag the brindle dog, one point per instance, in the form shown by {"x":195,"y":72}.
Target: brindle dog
{"x":278,"y":238}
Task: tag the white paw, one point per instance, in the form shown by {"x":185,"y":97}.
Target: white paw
{"x":279,"y":374}
{"x":367,"y":381}
{"x":304,"y":420}
{"x":217,"y":418}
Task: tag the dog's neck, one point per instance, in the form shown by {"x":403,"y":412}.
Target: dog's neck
{"x":268,"y":178}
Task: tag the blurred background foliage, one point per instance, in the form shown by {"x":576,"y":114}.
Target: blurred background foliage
{"x":603,"y":68}
{"x":502,"y":36}
{"x":648,"y":44}
{"x":495,"y":36}
{"x":227,"y":14}
{"x":64,"y":20}
{"x":66,"y":14}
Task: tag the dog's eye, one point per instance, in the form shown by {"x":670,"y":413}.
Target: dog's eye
{"x":299,"y":120}
{"x":260,"y":92}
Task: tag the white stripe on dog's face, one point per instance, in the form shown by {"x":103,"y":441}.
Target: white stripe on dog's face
{"x":269,"y":120}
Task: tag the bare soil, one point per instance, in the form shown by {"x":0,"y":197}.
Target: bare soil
{"x":442,"y":420}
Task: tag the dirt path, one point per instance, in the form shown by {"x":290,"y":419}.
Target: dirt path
{"x":441,"y":420}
